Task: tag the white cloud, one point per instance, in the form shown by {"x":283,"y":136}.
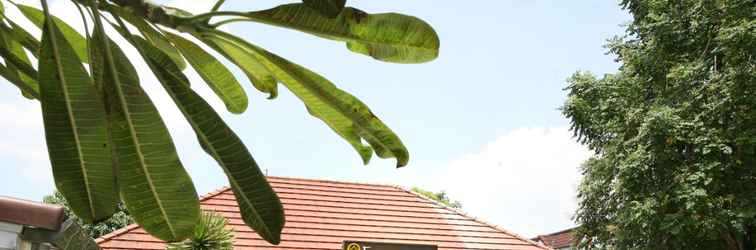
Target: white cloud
{"x":524,"y":181}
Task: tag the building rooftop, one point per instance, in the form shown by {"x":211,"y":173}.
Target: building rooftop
{"x":557,"y":240}
{"x":323,"y":214}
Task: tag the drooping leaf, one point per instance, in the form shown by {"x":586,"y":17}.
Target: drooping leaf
{"x":259,"y":205}
{"x":17,"y":62}
{"x":14,"y":56}
{"x":13,"y":79}
{"x":328,"y":8}
{"x":387,"y":37}
{"x":344,"y":113}
{"x":22,"y":36}
{"x":154,"y":185}
{"x":77,"y":42}
{"x":75,"y":123}
{"x":152,"y":35}
{"x":215,"y":74}
{"x":260,"y":77}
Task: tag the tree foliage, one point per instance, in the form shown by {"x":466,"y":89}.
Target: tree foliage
{"x":118,"y":220}
{"x":674,"y":130}
{"x":108,"y":143}
{"x":440,"y":197}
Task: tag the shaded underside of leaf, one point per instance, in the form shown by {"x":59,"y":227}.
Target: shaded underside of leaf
{"x":215,"y":74}
{"x":75,"y":125}
{"x":387,"y":37}
{"x":344,"y":113}
{"x":77,"y":42}
{"x":260,"y":77}
{"x":259,"y":205}
{"x":154,"y":185}
{"x":328,"y":8}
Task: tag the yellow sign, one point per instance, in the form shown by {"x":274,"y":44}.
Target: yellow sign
{"x":353,"y":246}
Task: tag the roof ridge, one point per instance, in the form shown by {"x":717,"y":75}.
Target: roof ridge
{"x":559,"y":232}
{"x":330,"y":181}
{"x":464,"y":214}
{"x":214,"y":193}
{"x":116,"y":233}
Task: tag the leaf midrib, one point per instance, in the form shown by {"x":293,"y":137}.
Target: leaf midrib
{"x":74,"y":127}
{"x":134,"y":139}
{"x":211,"y":148}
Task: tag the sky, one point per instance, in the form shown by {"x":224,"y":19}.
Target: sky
{"x":481,"y":122}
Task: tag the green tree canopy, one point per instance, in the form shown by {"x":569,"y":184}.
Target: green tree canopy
{"x":118,"y":220}
{"x":674,"y":130}
{"x":438,"y":196}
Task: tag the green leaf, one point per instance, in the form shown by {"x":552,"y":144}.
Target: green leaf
{"x":152,"y":35}
{"x":75,"y":123}
{"x":344,"y":113}
{"x":387,"y":37}
{"x":260,"y":77}
{"x":215,"y":74}
{"x":259,"y":205}
{"x":17,"y":62}
{"x":23,"y":86}
{"x":22,"y":36}
{"x":77,"y":42}
{"x":154,"y":185}
{"x":328,"y":8}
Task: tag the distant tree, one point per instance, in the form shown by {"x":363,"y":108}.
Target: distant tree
{"x":674,"y":130}
{"x":120,"y":218}
{"x":439,"y":196}
{"x":209,"y":234}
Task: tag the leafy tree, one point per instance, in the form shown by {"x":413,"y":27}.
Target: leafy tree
{"x":118,"y":220}
{"x":674,"y":130}
{"x":209,"y":234}
{"x":439,"y":197}
{"x":106,"y":140}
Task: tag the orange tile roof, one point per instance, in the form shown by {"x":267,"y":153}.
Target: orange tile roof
{"x":561,"y":239}
{"x":322,"y":214}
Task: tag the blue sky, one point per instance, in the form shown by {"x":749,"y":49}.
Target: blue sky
{"x":481,"y":121}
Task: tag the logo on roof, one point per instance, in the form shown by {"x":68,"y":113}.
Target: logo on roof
{"x":353,"y":246}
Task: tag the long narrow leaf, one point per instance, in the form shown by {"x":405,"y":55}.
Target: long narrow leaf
{"x":154,"y":185}
{"x":259,"y":205}
{"x":27,"y":40}
{"x":215,"y":74}
{"x":260,"y":77}
{"x":344,"y":113}
{"x":23,"y":86}
{"x":77,"y":42}
{"x":17,"y":62}
{"x":74,"y":121}
{"x":387,"y":37}
{"x":152,"y":35}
